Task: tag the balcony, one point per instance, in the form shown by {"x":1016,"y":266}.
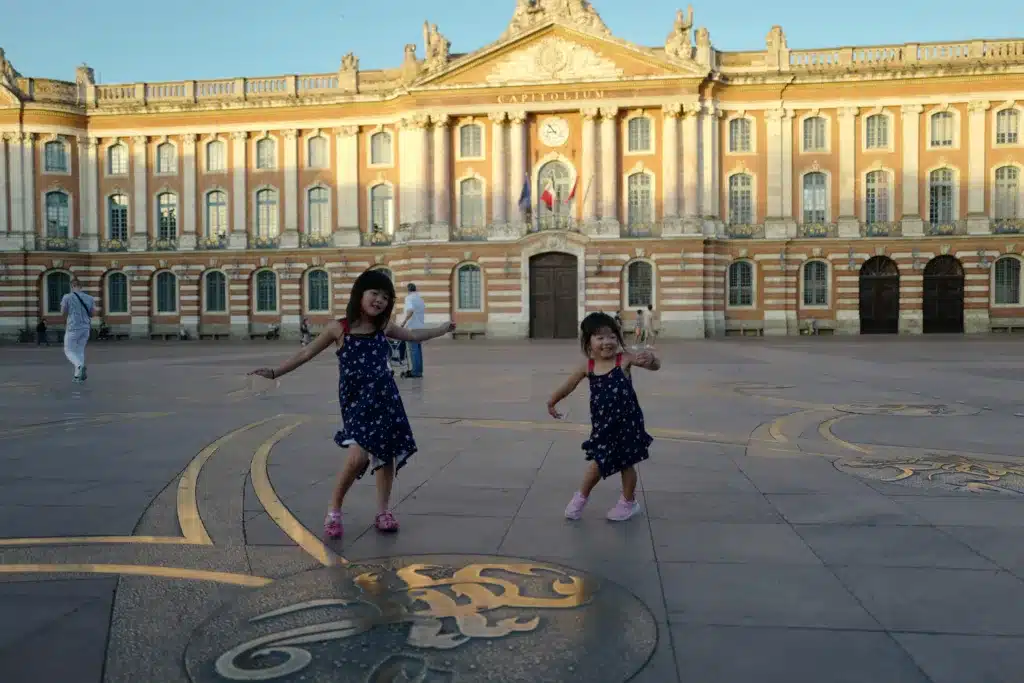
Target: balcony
{"x":882,"y":229}
{"x":1008,"y":226}
{"x":377,"y":238}
{"x":213,"y":242}
{"x":641,"y":229}
{"x":114,"y":244}
{"x":817,"y":230}
{"x":314,"y":241}
{"x":945,"y":229}
{"x":470,"y":233}
{"x":744,"y":231}
{"x":555,"y":222}
{"x":258,"y":242}
{"x":163,"y":244}
{"x":60,"y":244}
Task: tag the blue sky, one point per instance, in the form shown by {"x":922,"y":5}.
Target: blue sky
{"x":143,"y":40}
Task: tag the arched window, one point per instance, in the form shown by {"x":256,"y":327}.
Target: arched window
{"x":266,"y":291}
{"x":741,"y":199}
{"x":319,"y":211}
{"x":317,"y":150}
{"x":1007,"y":127}
{"x":166,"y":292}
{"x":940,"y":197}
{"x":876,"y":132}
{"x":318,"y":292}
{"x":741,"y":283}
{"x":57,"y":285}
{"x":380,"y":148}
{"x":470,"y":288}
{"x":639,"y":198}
{"x":216,"y":156}
{"x":739,"y":135}
{"x":381,"y":209}
{"x":814,"y":134}
{"x":639,"y":284}
{"x":166,"y":159}
{"x":815,"y":283}
{"x":266,"y":213}
{"x":815,"y":195}
{"x":117,"y":160}
{"x":471,"y":203}
{"x":215,"y":292}
{"x":117,"y":217}
{"x":55,"y":157}
{"x":638,"y":134}
{"x":471,"y":141}
{"x":876,"y":197}
{"x":58,"y":221}
{"x":216,"y":213}
{"x":167,"y":216}
{"x":266,"y":151}
{"x":942,"y":129}
{"x":117,"y":293}
{"x":1007,"y":200}
{"x":1007,"y":281}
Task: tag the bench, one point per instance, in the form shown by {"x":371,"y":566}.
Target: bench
{"x":470,"y":331}
{"x":816,"y":328}
{"x":215,"y":332}
{"x":744,"y":328}
{"x":164,"y":332}
{"x":1007,"y":326}
{"x":258,"y":330}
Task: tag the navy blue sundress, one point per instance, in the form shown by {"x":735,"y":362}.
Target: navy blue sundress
{"x":372,"y":412}
{"x":618,"y":438}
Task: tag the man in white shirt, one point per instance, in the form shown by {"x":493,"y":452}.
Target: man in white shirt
{"x":415,"y":319}
{"x":648,"y":326}
{"x":77,"y":307}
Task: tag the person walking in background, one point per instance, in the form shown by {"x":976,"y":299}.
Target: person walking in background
{"x":41,"y":337}
{"x":648,"y":317}
{"x":415,"y":319}
{"x":77,"y":308}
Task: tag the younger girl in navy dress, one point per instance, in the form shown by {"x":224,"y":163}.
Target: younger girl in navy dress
{"x":374,"y":424}
{"x":618,"y":439}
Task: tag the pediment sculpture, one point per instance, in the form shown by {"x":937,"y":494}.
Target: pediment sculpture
{"x":350,"y":62}
{"x":678,"y":45}
{"x":437,"y":47}
{"x":8,"y":75}
{"x":553,"y":59}
{"x":577,"y":13}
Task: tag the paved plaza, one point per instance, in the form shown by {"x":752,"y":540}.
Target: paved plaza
{"x":816,"y":509}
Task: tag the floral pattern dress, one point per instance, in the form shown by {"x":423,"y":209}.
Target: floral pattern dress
{"x":372,"y":412}
{"x":618,"y":438}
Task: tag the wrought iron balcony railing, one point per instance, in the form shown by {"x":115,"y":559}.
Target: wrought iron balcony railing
{"x":60,"y":244}
{"x":641,"y":229}
{"x":817,"y":230}
{"x":1008,"y":226}
{"x":470,"y":233}
{"x":880,"y":229}
{"x":377,"y":238}
{"x":555,"y":222}
{"x":163,"y":244}
{"x":213,"y":242}
{"x":262,"y":242}
{"x":744,"y":231}
{"x":114,"y":244}
{"x":315,"y":241}
{"x":945,"y":229}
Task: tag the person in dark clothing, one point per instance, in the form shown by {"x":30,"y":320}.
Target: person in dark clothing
{"x":41,"y":337}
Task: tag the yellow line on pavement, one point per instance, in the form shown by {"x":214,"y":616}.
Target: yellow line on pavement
{"x":825,"y":429}
{"x":277,"y":510}
{"x":574,"y":427}
{"x":137,"y":570}
{"x":97,"y":540}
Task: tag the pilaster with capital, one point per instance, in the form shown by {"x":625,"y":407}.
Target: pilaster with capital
{"x":347,"y":187}
{"x":88,"y":236}
{"x":290,"y":235}
{"x":670,"y":114}
{"x":239,"y":238}
{"x":787,"y":165}
{"x":17,"y":182}
{"x":139,"y":239}
{"x":412,"y":162}
{"x":28,"y":151}
{"x":977,"y":221}
{"x":589,"y":163}
{"x":849,"y":224}
{"x":776,"y":225}
{"x":517,"y":163}
{"x":709,"y":203}
{"x":609,"y":167}
{"x":441,"y":214}
{"x":4,"y":225}
{"x":691,"y":161}
{"x":499,"y":169}
{"x":911,"y":222}
{"x":188,"y":217}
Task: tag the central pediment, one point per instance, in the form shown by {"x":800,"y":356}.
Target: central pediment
{"x":553,"y":58}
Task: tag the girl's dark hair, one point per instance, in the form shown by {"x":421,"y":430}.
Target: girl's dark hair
{"x":370,"y":279}
{"x":594,"y":323}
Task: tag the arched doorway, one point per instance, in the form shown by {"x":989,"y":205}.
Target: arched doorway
{"x":944,"y":296}
{"x":553,"y":296}
{"x":879,"y":296}
{"x":556,"y":176}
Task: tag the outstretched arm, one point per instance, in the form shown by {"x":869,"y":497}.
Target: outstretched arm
{"x":646,"y":360}
{"x":405,"y":334}
{"x":307,"y":353}
{"x":567,"y":388}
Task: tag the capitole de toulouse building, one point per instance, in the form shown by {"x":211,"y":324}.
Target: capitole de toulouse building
{"x":558,"y":170}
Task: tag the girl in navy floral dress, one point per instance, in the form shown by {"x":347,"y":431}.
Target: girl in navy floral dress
{"x":618,"y":439}
{"x":374,"y":424}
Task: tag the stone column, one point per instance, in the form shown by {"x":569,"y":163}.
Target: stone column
{"x":239,"y":237}
{"x":17,"y":185}
{"x":849,"y":223}
{"x":517,"y":164}
{"x":977,"y":220}
{"x":709,"y":203}
{"x":787,"y":166}
{"x":4,"y":225}
{"x":670,"y":165}
{"x":589,"y":166}
{"x":412,"y":162}
{"x":421,"y":150}
{"x":28,"y":168}
{"x":187,"y":239}
{"x":912,"y":223}
{"x":346,"y":177}
{"x":775,"y":227}
{"x":441,"y":214}
{"x":88,"y":235}
{"x":290,"y":235}
{"x":691,"y":166}
{"x":139,"y":239}
{"x":498,"y":168}
{"x":609,"y":170}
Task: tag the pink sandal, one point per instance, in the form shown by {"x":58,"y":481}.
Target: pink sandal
{"x":332,"y":525}
{"x":386,"y":522}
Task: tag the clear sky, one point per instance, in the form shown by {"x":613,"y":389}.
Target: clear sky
{"x":150,"y":40}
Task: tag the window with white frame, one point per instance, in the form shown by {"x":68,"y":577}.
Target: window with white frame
{"x":1006,"y":281}
{"x":216,"y":156}
{"x":216,"y":213}
{"x":1007,"y":199}
{"x":266,"y":291}
{"x":117,"y":160}
{"x":215,"y":292}
{"x":639,"y":284}
{"x":117,"y":293}
{"x":638,"y":134}
{"x":942,"y":129}
{"x":814,"y":134}
{"x":639,"y":199}
{"x":876,"y":133}
{"x":815,"y":283}
{"x":815,"y":198}
{"x":471,"y":203}
{"x":266,"y":153}
{"x":319,"y":155}
{"x":58,"y":219}
{"x":319,"y":211}
{"x":739,"y":135}
{"x":470,"y":141}
{"x":741,"y":283}
{"x":55,"y":157}
{"x":381,"y":208}
{"x":380,"y":148}
{"x":117,"y":217}
{"x":470,"y":288}
{"x":266,"y":214}
{"x":166,"y":159}
{"x":741,"y":199}
{"x":940,"y":197}
{"x":876,"y":197}
{"x":1007,"y":127}
{"x":166,"y":292}
{"x":318,"y":292}
{"x":57,"y":285}
{"x":167,"y":216}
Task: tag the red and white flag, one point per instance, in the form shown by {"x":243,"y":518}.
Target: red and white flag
{"x":572,"y":195}
{"x":548,"y":196}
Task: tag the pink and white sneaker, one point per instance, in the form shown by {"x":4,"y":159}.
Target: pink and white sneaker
{"x":623,"y":510}
{"x":332,"y":525}
{"x":574,"y":510}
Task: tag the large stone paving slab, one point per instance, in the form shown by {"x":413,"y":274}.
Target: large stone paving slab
{"x":814,"y":509}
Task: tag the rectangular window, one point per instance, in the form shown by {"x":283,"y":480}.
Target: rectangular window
{"x":739,"y":135}
{"x":117,"y":293}
{"x":55,"y":157}
{"x":470,"y":142}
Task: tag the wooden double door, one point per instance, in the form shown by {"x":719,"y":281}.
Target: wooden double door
{"x":553,"y":296}
{"x":879,"y":296}
{"x":943,"y":300}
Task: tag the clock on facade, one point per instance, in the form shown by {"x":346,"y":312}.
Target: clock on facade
{"x":554,"y":131}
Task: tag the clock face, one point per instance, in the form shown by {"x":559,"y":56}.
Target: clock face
{"x":554,"y":131}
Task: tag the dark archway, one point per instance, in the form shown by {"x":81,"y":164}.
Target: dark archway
{"x":879,"y":296}
{"x":553,"y":296}
{"x":943,"y":300}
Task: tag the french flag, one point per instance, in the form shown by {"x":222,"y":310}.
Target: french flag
{"x":548,"y":196}
{"x":572,"y":195}
{"x":524,"y":197}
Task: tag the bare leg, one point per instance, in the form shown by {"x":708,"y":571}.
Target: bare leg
{"x":357,"y":460}
{"x":385,"y":478}
{"x":629,"y":484}
{"x":590,"y":479}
